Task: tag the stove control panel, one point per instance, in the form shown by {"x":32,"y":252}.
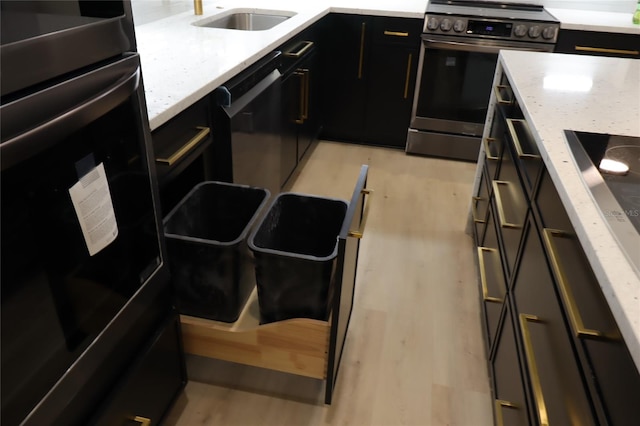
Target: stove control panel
{"x":464,"y":26}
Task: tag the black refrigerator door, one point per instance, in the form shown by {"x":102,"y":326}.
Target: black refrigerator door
{"x":81,"y":256}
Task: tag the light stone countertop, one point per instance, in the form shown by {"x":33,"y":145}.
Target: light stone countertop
{"x":610,"y":105}
{"x":181,"y":63}
{"x":591,"y":20}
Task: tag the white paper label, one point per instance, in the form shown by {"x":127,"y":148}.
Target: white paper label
{"x":91,"y":199}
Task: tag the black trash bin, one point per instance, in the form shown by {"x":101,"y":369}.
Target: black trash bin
{"x":210,"y":263}
{"x":295,"y":248}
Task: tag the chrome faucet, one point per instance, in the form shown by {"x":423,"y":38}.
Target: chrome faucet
{"x":197,"y":7}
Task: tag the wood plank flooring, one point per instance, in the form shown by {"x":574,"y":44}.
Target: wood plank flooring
{"x":414,"y":354}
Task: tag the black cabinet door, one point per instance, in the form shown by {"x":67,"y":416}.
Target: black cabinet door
{"x":557,"y":392}
{"x":510,"y":407}
{"x":293,"y":87}
{"x":147,"y":391}
{"x":310,"y":127}
{"x":390,"y":85}
{"x":343,"y":72}
{"x":598,"y":43}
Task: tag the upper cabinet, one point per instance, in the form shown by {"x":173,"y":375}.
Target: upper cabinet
{"x":369,"y":74}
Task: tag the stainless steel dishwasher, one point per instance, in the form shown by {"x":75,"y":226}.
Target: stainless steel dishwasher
{"x":247,"y":126}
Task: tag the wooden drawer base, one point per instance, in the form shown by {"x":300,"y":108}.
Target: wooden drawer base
{"x":298,"y":346}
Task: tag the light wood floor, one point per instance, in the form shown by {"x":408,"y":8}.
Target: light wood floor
{"x":414,"y":354}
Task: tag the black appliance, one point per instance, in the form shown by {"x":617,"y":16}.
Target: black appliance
{"x":83,"y":279}
{"x":248,"y":126}
{"x":460,"y":44}
{"x":610,"y":167}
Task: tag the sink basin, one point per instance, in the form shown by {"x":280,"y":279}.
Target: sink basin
{"x":246,"y":21}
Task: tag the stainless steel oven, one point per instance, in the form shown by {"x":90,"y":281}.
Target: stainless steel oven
{"x":83,"y":277}
{"x":460,"y":46}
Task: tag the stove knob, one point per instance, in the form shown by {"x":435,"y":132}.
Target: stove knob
{"x":446,"y":24}
{"x":534,"y":32}
{"x":433,"y":24}
{"x":459,"y":26}
{"x":520,"y":30}
{"x":548,"y":33}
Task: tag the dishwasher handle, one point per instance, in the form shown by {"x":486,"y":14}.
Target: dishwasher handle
{"x":237,"y":105}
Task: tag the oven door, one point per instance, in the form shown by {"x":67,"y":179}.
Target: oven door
{"x":81,"y":246}
{"x":454,"y":82}
{"x":452,"y":94}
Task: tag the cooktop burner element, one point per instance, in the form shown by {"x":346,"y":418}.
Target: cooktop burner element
{"x":502,"y":20}
{"x":617,"y":194}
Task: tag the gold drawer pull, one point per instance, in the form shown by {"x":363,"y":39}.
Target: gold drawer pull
{"x":362,"y":31}
{"x":306,"y":45}
{"x":499,"y":403}
{"x":499,"y":98}
{"x":186,"y":148}
{"x":533,"y":368}
{"x":487,"y":151}
{"x":501,"y":214}
{"x":301,"y":117}
{"x":483,"y":275}
{"x":406,"y":80}
{"x":565,"y":289}
{"x":516,"y":140}
{"x":396,"y":33}
{"x":142,"y":420}
{"x":606,"y":50}
{"x":365,"y":215}
{"x":474,"y":210}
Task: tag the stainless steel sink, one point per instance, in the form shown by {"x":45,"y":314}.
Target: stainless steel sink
{"x":246,"y":21}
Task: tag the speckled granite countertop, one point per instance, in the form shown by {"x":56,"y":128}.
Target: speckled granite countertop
{"x":181,"y":62}
{"x":610,"y":105}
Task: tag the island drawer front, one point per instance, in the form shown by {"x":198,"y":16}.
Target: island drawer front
{"x":556,"y":387}
{"x":602,"y":352}
{"x":510,"y":407}
{"x":525,"y":153}
{"x":480,"y":205}
{"x":493,"y":286}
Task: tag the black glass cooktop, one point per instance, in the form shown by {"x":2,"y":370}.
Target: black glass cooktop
{"x":610,"y":166}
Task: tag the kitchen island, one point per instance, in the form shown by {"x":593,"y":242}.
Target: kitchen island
{"x":608,"y":103}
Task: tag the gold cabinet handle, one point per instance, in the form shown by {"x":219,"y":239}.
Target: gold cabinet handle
{"x":305,"y":113}
{"x":499,"y":403}
{"x":607,"y":50}
{"x":483,"y":275}
{"x":186,"y":148}
{"x":487,"y":151}
{"x":396,"y":33}
{"x":365,"y":215}
{"x":499,"y":98}
{"x":501,"y":214}
{"x":300,"y":73}
{"x":142,"y":420}
{"x":407,"y":78}
{"x":474,"y":210}
{"x":533,"y":367}
{"x":516,"y":140}
{"x":565,"y":289}
{"x":306,"y":45}
{"x":362,"y":31}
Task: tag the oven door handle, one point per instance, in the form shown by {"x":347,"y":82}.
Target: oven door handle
{"x":479,"y":47}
